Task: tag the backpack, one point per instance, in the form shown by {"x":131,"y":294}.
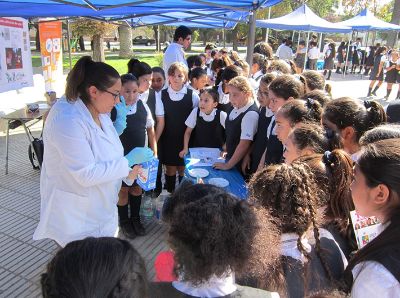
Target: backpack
{"x":35,"y":151}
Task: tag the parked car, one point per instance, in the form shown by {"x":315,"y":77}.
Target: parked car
{"x":143,"y":40}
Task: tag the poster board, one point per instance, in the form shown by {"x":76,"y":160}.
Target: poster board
{"x":51,"y":51}
{"x":365,"y":228}
{"x":15,"y":54}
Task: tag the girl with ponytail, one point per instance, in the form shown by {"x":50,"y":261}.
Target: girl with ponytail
{"x":294,"y":112}
{"x":374,"y":269}
{"x":289,"y":193}
{"x":346,"y":120}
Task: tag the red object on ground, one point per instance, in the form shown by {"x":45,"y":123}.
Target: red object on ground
{"x":164,"y":267}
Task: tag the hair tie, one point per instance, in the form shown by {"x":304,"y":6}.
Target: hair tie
{"x":367,"y":104}
{"x":328,"y":158}
{"x":309,"y":102}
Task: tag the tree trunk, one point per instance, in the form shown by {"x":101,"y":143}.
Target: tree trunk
{"x":81,"y":43}
{"x":156,"y":37}
{"x":37,"y":38}
{"x":125,"y":41}
{"x":235,"y":38}
{"x":98,"y":48}
{"x":392,"y":38}
{"x":264,"y":34}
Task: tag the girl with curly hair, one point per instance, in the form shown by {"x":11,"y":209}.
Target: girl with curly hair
{"x":289,"y":193}
{"x":214,"y":236}
{"x":374,"y":270}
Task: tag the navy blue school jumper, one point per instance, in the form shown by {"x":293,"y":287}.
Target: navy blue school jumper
{"x":260,"y":140}
{"x":151,"y":103}
{"x":391,"y":75}
{"x":208,"y":134}
{"x":233,"y":129}
{"x":274,"y":152}
{"x":175,"y":115}
{"x":226,"y":107}
{"x":374,"y":72}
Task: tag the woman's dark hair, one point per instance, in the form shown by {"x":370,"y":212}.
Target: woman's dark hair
{"x":194,"y":61}
{"x":280,"y":67}
{"x":333,"y":49}
{"x":182,"y":32}
{"x":231,"y":72}
{"x":95,"y":267}
{"x":314,"y":80}
{"x":318,"y":95}
{"x":310,"y":135}
{"x":128,"y":77}
{"x":213,"y":93}
{"x":210,"y":234}
{"x":286,"y":86}
{"x":299,"y":111}
{"x":380,"y":50}
{"x":261,"y":61}
{"x":213,"y":53}
{"x":345,"y":112}
{"x":209,"y":46}
{"x":379,"y":162}
{"x":268,"y":78}
{"x":264,"y":49}
{"x":289,"y":193}
{"x":87,"y":73}
{"x":334,"y":173}
{"x":381,"y":132}
{"x":197,"y":73}
{"x":138,"y":68}
{"x":159,"y":70}
{"x":217,"y":63}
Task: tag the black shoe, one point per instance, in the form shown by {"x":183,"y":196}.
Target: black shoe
{"x":127,"y":229}
{"x":138,"y":227}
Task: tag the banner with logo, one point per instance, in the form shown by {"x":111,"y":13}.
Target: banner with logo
{"x":15,"y":54}
{"x":51,"y":50}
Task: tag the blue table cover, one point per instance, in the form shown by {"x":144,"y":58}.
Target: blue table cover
{"x":237,"y":185}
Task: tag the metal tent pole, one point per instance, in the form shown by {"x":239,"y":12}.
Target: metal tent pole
{"x":365,"y":56}
{"x":251,"y":38}
{"x":305,"y":57}
{"x":69,"y":46}
{"x":269,"y":16}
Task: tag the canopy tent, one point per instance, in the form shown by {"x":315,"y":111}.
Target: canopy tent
{"x":302,"y":19}
{"x":366,"y":21}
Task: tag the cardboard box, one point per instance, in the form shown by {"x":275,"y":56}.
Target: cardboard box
{"x":147,"y":177}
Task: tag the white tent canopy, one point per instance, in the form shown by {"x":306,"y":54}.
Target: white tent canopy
{"x":303,"y":19}
{"x":366,"y":21}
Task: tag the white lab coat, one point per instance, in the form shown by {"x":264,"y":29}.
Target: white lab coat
{"x":81,"y":176}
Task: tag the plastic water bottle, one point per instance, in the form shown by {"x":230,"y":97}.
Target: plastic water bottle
{"x":147,"y":209}
{"x":160,"y":204}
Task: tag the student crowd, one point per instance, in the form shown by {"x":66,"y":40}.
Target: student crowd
{"x":308,"y":159}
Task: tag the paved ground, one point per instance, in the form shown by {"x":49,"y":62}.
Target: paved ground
{"x":22,"y":259}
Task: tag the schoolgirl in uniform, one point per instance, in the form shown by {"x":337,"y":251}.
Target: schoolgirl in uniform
{"x":345,"y":120}
{"x":374,"y":269}
{"x":310,"y":260}
{"x":391,"y":72}
{"x":227,"y":74}
{"x":253,"y":157}
{"x":377,"y":71}
{"x":158,"y":79}
{"x":140,"y":125}
{"x":198,"y":80}
{"x":258,"y":69}
{"x":175,"y":103}
{"x":329,"y":57}
{"x":241,"y":124}
{"x":282,"y":89}
{"x":205,"y":124}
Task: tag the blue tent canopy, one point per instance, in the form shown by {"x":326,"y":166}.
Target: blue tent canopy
{"x":303,"y":19}
{"x":366,"y":21}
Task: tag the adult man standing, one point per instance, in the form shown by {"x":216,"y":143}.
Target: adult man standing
{"x":174,"y":52}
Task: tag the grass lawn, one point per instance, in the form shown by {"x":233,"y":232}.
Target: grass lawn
{"x":111,"y":58}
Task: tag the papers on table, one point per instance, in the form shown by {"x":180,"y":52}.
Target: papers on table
{"x":365,"y":228}
{"x":204,"y":157}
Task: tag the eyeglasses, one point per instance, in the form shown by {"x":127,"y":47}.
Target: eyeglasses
{"x":116,"y":95}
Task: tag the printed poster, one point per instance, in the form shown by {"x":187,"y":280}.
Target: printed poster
{"x":365,"y":228}
{"x":50,"y":48}
{"x":15,"y":54}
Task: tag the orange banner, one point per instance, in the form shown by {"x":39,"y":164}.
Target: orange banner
{"x":50,"y":34}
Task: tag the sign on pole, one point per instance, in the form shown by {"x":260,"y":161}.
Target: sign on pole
{"x":51,"y":51}
{"x":15,"y":54}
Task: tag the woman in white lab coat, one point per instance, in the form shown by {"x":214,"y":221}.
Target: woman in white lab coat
{"x":83,"y":163}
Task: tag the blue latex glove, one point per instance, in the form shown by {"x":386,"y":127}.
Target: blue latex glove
{"x":122,"y":111}
{"x":139,"y":155}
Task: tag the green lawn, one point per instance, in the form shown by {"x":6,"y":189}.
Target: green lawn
{"x":119,"y":64}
